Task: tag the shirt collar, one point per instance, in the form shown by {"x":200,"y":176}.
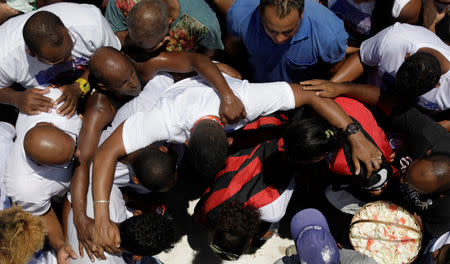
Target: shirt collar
{"x":304,"y":30}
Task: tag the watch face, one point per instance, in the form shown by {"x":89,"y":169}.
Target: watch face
{"x":352,"y":129}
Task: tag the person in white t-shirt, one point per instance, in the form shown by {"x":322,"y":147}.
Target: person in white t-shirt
{"x":39,"y":167}
{"x":7,"y":134}
{"x":51,"y":45}
{"x":191,"y":106}
{"x":388,"y":51}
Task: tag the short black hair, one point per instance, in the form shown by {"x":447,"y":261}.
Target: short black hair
{"x":441,"y":168}
{"x":148,"y":234}
{"x":417,"y":75}
{"x":309,"y":138}
{"x":283,"y":7}
{"x":147,"y":22}
{"x":235,"y":225}
{"x":154,"y":169}
{"x":207,"y":150}
{"x":43,"y":27}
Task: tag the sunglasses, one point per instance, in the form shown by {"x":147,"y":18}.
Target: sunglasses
{"x":223,"y":254}
{"x":65,"y":57}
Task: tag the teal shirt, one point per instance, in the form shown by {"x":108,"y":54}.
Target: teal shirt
{"x":195,"y":25}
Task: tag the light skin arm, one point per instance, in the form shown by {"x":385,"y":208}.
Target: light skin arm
{"x":99,"y":112}
{"x":31,"y":101}
{"x":56,"y":238}
{"x":350,"y":70}
{"x":231,"y":108}
{"x":362,"y":149}
{"x":105,"y":234}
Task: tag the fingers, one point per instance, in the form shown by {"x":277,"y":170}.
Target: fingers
{"x":357,"y":166}
{"x":312,"y":82}
{"x":80,"y":249}
{"x":41,"y":91}
{"x":68,"y":108}
{"x":72,"y":253}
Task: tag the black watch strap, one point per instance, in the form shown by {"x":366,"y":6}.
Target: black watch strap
{"x":351,"y":129}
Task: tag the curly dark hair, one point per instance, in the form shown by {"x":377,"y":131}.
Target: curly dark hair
{"x":235,"y":225}
{"x":148,"y":234}
{"x":309,"y":138}
{"x":417,"y":75}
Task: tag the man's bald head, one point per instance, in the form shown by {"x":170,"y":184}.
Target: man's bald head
{"x":42,"y":28}
{"x":430,"y":174}
{"x":49,"y":145}
{"x":147,"y":23}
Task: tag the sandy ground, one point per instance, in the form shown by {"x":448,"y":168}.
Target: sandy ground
{"x":193,"y":248}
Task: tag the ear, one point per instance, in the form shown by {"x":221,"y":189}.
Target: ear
{"x":435,"y":254}
{"x":230,"y":141}
{"x":163,"y":149}
{"x":136,"y":258}
{"x":137,"y":212}
{"x":428,"y":152}
{"x":135,"y":180}
{"x":186,"y":142}
{"x":101,"y":86}
{"x":29,"y":52}
{"x":407,"y":55}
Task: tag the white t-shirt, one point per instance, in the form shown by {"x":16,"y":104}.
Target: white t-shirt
{"x":31,"y":185}
{"x":118,"y":213}
{"x":7,"y":133}
{"x":273,"y":212}
{"x":387,"y":50}
{"x":184,"y":102}
{"x":441,"y":241}
{"x":398,"y":6}
{"x":87,"y":27}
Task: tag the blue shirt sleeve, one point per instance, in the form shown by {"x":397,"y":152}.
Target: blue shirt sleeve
{"x":238,"y":16}
{"x":333,"y":41}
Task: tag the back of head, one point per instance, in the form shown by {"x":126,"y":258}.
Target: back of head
{"x":147,"y":23}
{"x":47,"y":144}
{"x":441,"y":169}
{"x":154,"y":169}
{"x":41,"y":28}
{"x":310,"y":138}
{"x":207,"y":149}
{"x":417,"y":75}
{"x":234,"y":227}
{"x":21,"y":235}
{"x":283,"y":7}
{"x":104,"y":59}
{"x":148,"y":234}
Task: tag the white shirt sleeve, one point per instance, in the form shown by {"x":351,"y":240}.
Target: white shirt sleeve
{"x":143,"y":129}
{"x":398,"y":7}
{"x":371,"y":48}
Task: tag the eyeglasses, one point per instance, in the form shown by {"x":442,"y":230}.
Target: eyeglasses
{"x":65,"y":57}
{"x":223,"y":254}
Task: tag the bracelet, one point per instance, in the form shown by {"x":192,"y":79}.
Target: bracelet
{"x":101,"y":201}
{"x":85,"y":87}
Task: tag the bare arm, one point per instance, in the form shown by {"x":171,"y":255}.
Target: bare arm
{"x":31,"y":101}
{"x":99,"y":112}
{"x":182,"y":62}
{"x":105,"y":235}
{"x":223,"y":6}
{"x":410,"y":12}
{"x":351,"y":69}
{"x":362,"y":149}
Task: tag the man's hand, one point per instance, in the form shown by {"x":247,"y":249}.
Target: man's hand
{"x":84,"y":226}
{"x":105,"y":237}
{"x":64,"y":253}
{"x":323,"y":88}
{"x":231,"y":109}
{"x":363,"y":150}
{"x":32,"y":101}
{"x":431,"y":16}
{"x":70,"y":95}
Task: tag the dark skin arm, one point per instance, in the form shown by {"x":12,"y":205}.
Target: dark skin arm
{"x":411,"y":12}
{"x":31,"y":101}
{"x":351,"y":69}
{"x":105,"y":234}
{"x":99,"y":113}
{"x":231,"y":109}
{"x":362,"y":149}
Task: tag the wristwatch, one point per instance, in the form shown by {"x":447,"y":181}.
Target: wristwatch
{"x":351,"y":129}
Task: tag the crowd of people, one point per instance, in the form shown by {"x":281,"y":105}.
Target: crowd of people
{"x":264,"y":106}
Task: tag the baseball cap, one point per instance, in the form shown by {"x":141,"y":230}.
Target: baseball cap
{"x":313,"y":239}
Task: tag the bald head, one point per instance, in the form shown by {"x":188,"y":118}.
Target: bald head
{"x":49,"y":145}
{"x":147,"y":23}
{"x":42,"y":28}
{"x":430,"y":174}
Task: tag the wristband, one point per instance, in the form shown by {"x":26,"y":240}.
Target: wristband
{"x":84,"y":85}
{"x":101,"y":201}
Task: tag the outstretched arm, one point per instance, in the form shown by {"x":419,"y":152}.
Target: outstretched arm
{"x":99,"y":112}
{"x":231,"y":108}
{"x":362,"y":149}
{"x":105,"y":234}
{"x":351,"y":69}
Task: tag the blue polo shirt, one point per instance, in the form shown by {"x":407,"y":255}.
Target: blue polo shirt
{"x":320,"y":39}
